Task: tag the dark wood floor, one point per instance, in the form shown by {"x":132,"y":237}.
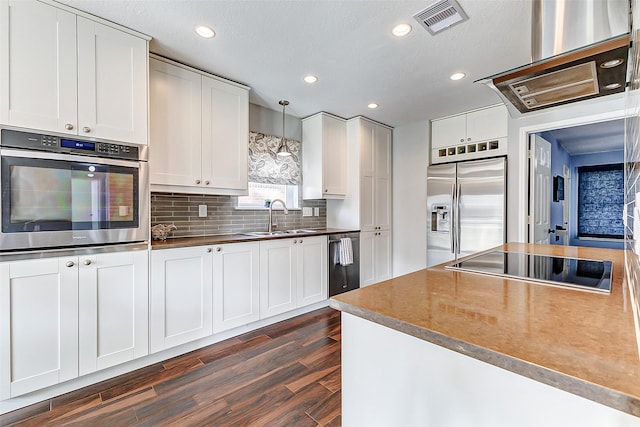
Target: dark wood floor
{"x":287,"y":374}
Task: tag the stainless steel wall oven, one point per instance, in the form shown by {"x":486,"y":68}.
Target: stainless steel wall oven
{"x":60,"y":192}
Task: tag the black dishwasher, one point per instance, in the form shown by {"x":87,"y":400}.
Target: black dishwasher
{"x":343,"y":278}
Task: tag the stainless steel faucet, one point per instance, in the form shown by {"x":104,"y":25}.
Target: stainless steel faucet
{"x":286,"y":212}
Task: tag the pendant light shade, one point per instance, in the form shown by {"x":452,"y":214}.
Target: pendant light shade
{"x":283,"y":149}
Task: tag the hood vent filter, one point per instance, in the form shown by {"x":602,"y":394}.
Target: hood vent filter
{"x":440,"y":16}
{"x":566,"y":84}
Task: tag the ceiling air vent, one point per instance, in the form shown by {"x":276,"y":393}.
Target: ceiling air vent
{"x":440,"y":16}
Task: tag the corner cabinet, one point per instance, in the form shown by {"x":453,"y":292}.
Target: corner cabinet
{"x":199,"y":133}
{"x":293,"y":273}
{"x":65,"y":73}
{"x":324,"y":157}
{"x":69,"y":316}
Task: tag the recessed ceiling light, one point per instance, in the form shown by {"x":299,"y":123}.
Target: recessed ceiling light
{"x":457,"y":76}
{"x":612,"y":86}
{"x":373,"y":105}
{"x":310,"y":79}
{"x":401,"y":30}
{"x":204,"y":31}
{"x":612,"y":63}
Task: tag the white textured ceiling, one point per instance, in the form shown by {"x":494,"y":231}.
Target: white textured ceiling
{"x":592,"y":138}
{"x":271,"y":44}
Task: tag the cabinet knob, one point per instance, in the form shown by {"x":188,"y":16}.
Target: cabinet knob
{"x":208,"y":250}
{"x":295,"y":241}
{"x":87,"y":262}
{"x":86,"y":129}
{"x":468,"y":139}
{"x":68,"y":126}
{"x":462,"y":140}
{"x":300,"y":241}
{"x":197,"y":181}
{"x":206,"y":183}
{"x":326,"y":190}
{"x":70,"y":264}
{"x":218,"y":249}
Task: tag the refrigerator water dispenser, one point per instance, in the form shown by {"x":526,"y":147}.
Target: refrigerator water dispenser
{"x":440,"y":218}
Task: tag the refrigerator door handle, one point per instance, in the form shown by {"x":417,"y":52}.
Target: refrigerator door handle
{"x":452,"y":232}
{"x":457,"y":224}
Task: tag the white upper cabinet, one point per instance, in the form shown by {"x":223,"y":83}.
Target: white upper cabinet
{"x":474,"y":135}
{"x":176,"y":115}
{"x":324,"y":157}
{"x":375,"y":174}
{"x":225,"y":134}
{"x":112,"y":83}
{"x":199,"y":131}
{"x":64,"y":73}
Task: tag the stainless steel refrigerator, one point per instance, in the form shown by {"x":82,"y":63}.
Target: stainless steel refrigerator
{"x":466,"y":205}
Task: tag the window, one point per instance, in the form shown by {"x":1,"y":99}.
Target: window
{"x":259,"y":193}
{"x":601,"y":201}
{"x":270,"y":176}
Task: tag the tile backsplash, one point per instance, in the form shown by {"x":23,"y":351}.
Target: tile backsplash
{"x":223,"y":217}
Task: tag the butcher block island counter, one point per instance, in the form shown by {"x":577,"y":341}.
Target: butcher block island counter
{"x":447,"y":348}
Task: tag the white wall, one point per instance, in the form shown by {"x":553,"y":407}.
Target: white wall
{"x":596,"y":110}
{"x":269,"y":122}
{"x":410,"y":159}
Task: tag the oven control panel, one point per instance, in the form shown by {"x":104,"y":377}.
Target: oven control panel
{"x":59,"y":144}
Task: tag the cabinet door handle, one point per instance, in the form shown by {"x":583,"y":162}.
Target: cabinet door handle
{"x":295,"y":241}
{"x":86,"y":129}
{"x":68,"y":126}
{"x":70,"y":264}
{"x":468,"y":139}
{"x":197,"y":181}
{"x":208,"y":250}
{"x":206,"y":183}
{"x":300,"y":241}
{"x":326,"y":190}
{"x":87,"y":262}
{"x":218,"y":249}
{"x":462,"y":140}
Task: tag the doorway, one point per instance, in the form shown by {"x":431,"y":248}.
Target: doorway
{"x":578,"y":199}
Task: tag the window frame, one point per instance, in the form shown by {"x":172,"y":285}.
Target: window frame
{"x":597,"y":168}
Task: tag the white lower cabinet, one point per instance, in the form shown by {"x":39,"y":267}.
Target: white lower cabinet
{"x":198,"y":291}
{"x":181,"y":296}
{"x":375,"y":257}
{"x":61,"y":317}
{"x":236,"y":285}
{"x":293,"y":273}
{"x":114,"y":309}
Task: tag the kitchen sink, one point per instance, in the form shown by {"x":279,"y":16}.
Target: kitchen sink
{"x":278,"y":232}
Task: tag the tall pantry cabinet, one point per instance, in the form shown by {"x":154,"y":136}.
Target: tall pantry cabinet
{"x":367,"y":205}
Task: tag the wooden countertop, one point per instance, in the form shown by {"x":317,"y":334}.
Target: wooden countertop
{"x":219,"y":239}
{"x":582,"y":342}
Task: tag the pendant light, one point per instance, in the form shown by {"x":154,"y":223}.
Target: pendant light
{"x":283,"y":150}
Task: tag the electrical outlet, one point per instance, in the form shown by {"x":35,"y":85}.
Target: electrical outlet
{"x":307,"y":211}
{"x":316,"y":211}
{"x":202,"y":211}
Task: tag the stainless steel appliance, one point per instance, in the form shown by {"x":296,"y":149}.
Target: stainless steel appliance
{"x":553,"y":270}
{"x":579,"y":51}
{"x":343,"y":278}
{"x":466,"y":208}
{"x":62,"y":192}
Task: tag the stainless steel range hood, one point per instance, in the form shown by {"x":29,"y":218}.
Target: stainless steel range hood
{"x":579,"y":51}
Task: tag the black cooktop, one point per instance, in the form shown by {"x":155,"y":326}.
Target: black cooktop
{"x":563,"y":271}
